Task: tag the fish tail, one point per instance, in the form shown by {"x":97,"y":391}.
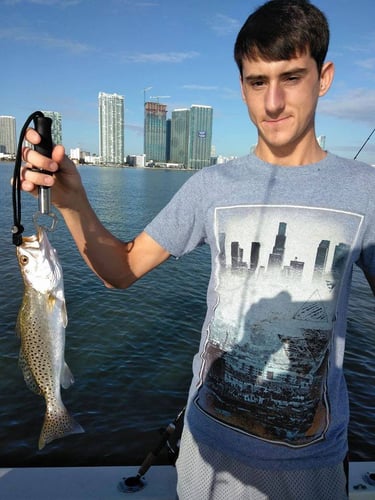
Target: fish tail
{"x":57,"y":424}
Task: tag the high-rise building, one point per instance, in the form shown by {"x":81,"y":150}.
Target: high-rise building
{"x":155,"y":132}
{"x":8,"y":140}
{"x":186,"y":141}
{"x":56,"y":129}
{"x":168,"y":139}
{"x":191,"y":136}
{"x":200,"y":136}
{"x":276,"y":258}
{"x":321,"y":258}
{"x":180,"y":136}
{"x":322,"y":141}
{"x":111,"y":127}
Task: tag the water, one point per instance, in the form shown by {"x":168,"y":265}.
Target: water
{"x":131,"y":351}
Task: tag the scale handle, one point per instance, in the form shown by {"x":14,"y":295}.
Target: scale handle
{"x":43,"y":125}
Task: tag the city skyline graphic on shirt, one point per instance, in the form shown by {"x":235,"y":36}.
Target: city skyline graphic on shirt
{"x":278,"y":273}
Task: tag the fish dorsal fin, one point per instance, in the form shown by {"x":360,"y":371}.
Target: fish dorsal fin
{"x":27,"y":375}
{"x":66,"y":379}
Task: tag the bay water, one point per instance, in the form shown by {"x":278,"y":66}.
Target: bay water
{"x":131,"y":350}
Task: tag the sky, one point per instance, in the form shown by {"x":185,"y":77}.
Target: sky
{"x":58,"y":55}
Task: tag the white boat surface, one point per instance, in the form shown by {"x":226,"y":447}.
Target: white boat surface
{"x":102,"y":483}
{"x":85,"y":483}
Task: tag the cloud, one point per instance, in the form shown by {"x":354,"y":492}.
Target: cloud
{"x":224,"y":25}
{"x":200,"y":87}
{"x":138,"y":3}
{"x":159,"y":57}
{"x":51,"y":3}
{"x":48,"y":41}
{"x":364,"y":45}
{"x":20,"y":35}
{"x":356,"y":105}
{"x":222,"y":92}
{"x":61,"y":43}
{"x":138,"y":129}
{"x":367,"y":63}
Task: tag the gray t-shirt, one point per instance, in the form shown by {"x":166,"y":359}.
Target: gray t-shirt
{"x":268,"y":385}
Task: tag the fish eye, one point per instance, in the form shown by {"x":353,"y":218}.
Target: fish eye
{"x":24,"y":260}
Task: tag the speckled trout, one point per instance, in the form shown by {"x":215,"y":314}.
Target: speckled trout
{"x":41,"y":323}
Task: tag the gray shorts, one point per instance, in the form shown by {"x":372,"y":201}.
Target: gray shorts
{"x":205,"y":474}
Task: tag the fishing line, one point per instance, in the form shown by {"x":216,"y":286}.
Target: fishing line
{"x":43,"y":126}
{"x":364,"y":144}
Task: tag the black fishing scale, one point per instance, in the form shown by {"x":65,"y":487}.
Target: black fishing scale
{"x":43,"y":125}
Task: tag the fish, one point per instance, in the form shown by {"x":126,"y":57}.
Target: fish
{"x":41,"y":322}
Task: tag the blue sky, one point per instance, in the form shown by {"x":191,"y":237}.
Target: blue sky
{"x":58,"y":55}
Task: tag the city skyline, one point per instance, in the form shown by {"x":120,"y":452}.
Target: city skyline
{"x":164,"y":141}
{"x":259,"y":253}
{"x":58,"y":59}
{"x":249,"y":258}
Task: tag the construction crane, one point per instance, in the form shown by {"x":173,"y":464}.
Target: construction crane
{"x":157,"y":97}
{"x":144,"y":93}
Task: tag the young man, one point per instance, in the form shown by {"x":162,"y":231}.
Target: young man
{"x":268,"y":409}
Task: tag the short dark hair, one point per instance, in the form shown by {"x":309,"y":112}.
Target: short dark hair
{"x":283,"y":29}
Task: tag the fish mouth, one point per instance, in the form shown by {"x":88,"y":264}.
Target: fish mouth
{"x":30,"y":239}
{"x":34,"y":237}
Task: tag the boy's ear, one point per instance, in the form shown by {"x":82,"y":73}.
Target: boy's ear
{"x":326,"y":77}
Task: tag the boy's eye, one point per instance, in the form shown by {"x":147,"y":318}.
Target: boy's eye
{"x":257,"y":83}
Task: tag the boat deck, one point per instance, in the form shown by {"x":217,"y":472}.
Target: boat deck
{"x":101,"y":483}
{"x":84,"y":483}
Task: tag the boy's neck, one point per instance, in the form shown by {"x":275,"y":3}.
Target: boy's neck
{"x":291,"y":156}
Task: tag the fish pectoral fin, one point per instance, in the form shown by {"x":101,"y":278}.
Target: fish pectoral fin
{"x":66,"y":379}
{"x":51,"y":301}
{"x":27,"y":375}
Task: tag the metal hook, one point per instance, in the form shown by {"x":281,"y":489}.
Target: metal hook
{"x":53,"y":225}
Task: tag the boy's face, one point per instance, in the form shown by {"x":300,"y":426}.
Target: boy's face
{"x":281,"y":97}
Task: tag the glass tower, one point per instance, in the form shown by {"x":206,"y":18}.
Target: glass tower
{"x":200,"y":136}
{"x":180,"y":136}
{"x":8,"y":140}
{"x":155,"y":132}
{"x":191,"y":136}
{"x":111,"y":128}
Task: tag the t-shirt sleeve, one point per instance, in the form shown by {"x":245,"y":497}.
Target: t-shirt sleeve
{"x":180,"y":225}
{"x":367,"y":257}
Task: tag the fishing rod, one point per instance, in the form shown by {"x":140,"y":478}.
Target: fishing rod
{"x":364,"y":144}
{"x":136,"y":483}
{"x":43,"y":126}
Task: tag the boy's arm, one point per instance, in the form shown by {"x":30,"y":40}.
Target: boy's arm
{"x":116,"y":262}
